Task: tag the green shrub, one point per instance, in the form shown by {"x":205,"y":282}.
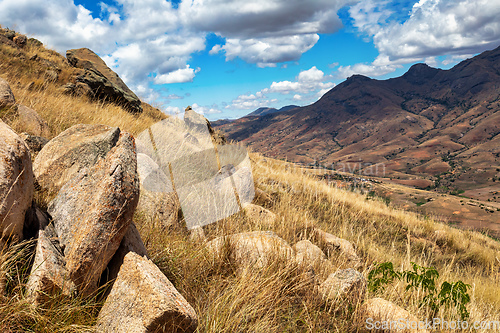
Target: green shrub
{"x":424,"y":278}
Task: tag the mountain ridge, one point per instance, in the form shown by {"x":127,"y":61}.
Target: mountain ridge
{"x":429,"y":124}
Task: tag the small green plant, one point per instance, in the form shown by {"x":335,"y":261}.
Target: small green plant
{"x":424,"y":278}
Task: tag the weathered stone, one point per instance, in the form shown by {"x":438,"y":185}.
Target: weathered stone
{"x":78,"y":147}
{"x":104,"y":83}
{"x":382,"y":311}
{"x":131,"y":242}
{"x":259,"y":215}
{"x":6,"y":95}
{"x":34,"y":143}
{"x":48,"y":274}
{"x":143,"y":300}
{"x":256,"y":249}
{"x":93,"y":211}
{"x":334,"y":245}
{"x":308,"y":253}
{"x":77,"y":89}
{"x":32,"y":122}
{"x":345,"y":285}
{"x":16,"y":183}
{"x":163,"y":208}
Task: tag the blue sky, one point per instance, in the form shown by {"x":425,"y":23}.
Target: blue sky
{"x":228,"y":57}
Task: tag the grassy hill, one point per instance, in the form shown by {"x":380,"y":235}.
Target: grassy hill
{"x":278,"y":299}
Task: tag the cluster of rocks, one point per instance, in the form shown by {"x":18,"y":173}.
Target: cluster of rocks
{"x":347,"y":286}
{"x":13,"y":39}
{"x":86,"y":238}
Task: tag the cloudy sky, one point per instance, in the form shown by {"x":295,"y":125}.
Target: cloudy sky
{"x":228,"y":57}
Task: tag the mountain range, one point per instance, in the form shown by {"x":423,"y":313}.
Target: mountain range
{"x":429,"y":128}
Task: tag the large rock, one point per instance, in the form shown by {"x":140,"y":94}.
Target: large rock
{"x":104,"y":83}
{"x":78,"y":147}
{"x":335,"y":246}
{"x":251,"y":249}
{"x":16,"y":183}
{"x":144,"y":300}
{"x":93,"y":211}
{"x":388,"y":316}
{"x":32,"y":122}
{"x":306,"y":253}
{"x":6,"y":95}
{"x":259,"y":215}
{"x":48,"y":274}
{"x":345,"y":285}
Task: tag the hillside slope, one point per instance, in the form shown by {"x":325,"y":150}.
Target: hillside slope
{"x":279,"y":298}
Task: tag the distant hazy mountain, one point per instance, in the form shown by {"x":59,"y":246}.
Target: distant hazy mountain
{"x":265,"y":110}
{"x":259,"y":112}
{"x":440,"y":126}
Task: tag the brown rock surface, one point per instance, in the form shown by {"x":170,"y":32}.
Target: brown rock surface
{"x":102,"y":80}
{"x":334,"y":245}
{"x":16,"y":183}
{"x":259,"y":215}
{"x":6,"y":95}
{"x":93,"y":211}
{"x":48,"y":273}
{"x":144,"y":300}
{"x":345,"y":285}
{"x":78,"y":147}
{"x":131,"y":242}
{"x":308,"y":253}
{"x":251,"y":249}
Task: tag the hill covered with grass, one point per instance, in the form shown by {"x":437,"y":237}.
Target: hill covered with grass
{"x":282,"y":296}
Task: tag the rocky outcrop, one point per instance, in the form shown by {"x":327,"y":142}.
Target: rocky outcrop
{"x":78,"y":147}
{"x":16,"y":184}
{"x":345,"y":285}
{"x":256,"y":249}
{"x":32,"y":122}
{"x":93,"y":211}
{"x":6,"y":95}
{"x":105,"y":83}
{"x":382,"y":311}
{"x":144,"y":300}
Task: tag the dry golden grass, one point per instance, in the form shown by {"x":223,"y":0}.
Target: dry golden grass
{"x":277,"y":298}
{"x":28,"y":82}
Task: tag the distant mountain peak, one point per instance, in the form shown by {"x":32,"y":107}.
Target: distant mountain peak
{"x":420,"y":73}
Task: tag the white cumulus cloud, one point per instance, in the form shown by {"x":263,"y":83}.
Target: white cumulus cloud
{"x":264,"y":32}
{"x":306,"y":86}
{"x":430,"y":28}
{"x":178,"y":76}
